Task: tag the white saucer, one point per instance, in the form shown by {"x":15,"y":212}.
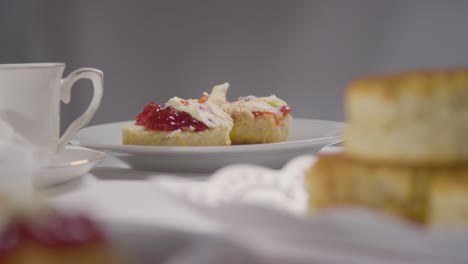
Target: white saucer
{"x":71,"y":163}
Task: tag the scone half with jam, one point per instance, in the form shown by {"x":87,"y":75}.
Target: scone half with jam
{"x":30,"y":233}
{"x":256,"y":119}
{"x":181,"y":122}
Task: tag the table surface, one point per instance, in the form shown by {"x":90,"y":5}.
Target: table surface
{"x":114,"y":192}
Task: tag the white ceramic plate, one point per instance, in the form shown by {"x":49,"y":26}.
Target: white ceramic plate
{"x":307,"y":136}
{"x":70,"y":163}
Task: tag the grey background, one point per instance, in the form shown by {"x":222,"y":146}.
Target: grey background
{"x":303,"y":51}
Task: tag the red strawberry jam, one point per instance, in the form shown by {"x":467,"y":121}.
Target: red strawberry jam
{"x":155,"y":117}
{"x":52,"y":230}
{"x":285,"y":110}
{"x":266,"y":114}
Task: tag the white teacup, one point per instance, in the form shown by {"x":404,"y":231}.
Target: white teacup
{"x":30,"y":96}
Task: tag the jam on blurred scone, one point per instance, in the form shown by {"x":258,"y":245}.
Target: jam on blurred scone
{"x":181,"y":122}
{"x":50,"y":237}
{"x":405,"y":151}
{"x":257,"y":119}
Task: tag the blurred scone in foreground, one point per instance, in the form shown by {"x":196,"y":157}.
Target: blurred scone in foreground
{"x":413,"y":118}
{"x":405,"y":151}
{"x":449,"y":200}
{"x":434,"y":195}
{"x":337,"y":180}
{"x":45,"y":236}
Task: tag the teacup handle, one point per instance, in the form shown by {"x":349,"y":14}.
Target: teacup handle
{"x":96,"y":77}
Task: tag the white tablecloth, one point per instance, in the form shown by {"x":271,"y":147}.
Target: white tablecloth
{"x":113,"y":191}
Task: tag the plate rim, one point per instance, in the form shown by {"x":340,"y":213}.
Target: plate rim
{"x":200,"y":150}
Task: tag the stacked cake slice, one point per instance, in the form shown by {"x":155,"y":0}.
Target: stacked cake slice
{"x":405,"y":150}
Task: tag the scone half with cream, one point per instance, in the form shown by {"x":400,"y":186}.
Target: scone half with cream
{"x":256,"y":119}
{"x":181,"y":122}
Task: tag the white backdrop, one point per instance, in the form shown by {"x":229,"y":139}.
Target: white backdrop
{"x":303,"y":51}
